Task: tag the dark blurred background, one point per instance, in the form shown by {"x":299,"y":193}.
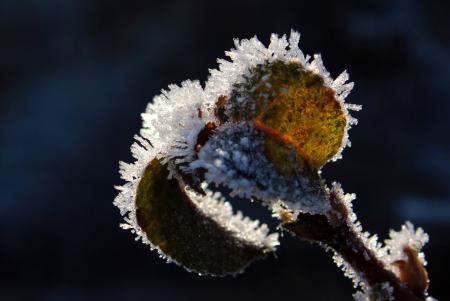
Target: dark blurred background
{"x":75,"y":75}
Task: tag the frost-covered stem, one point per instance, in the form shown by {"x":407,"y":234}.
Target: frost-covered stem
{"x":348,"y":244}
{"x":340,"y":236}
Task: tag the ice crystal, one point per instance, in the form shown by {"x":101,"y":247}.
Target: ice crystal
{"x":380,"y":292}
{"x":357,"y":278}
{"x":198,"y":232}
{"x":174,"y":119}
{"x":406,"y":237}
{"x":216,"y":207}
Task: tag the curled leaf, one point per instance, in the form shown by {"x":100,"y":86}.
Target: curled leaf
{"x":174,"y":219}
{"x":412,"y":271}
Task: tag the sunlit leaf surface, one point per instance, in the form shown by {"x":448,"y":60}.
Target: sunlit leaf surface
{"x":301,"y":116}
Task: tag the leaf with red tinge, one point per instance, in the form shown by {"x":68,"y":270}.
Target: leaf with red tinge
{"x":301,"y":116}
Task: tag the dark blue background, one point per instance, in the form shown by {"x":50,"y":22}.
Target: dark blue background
{"x":75,"y":75}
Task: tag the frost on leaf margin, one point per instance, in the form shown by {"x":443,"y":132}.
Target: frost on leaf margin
{"x":174,"y":119}
{"x":173,"y":222}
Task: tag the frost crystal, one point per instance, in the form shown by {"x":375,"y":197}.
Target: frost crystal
{"x":381,"y":292}
{"x":242,"y":227}
{"x":406,"y":237}
{"x":174,"y":119}
{"x":357,"y":278}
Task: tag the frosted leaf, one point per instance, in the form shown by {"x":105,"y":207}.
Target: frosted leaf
{"x":234,"y":157}
{"x":199,"y":232}
{"x":249,"y":54}
{"x":296,"y":111}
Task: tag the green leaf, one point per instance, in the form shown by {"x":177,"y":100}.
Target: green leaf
{"x":173,"y":223}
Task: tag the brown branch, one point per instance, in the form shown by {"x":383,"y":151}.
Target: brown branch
{"x":343,"y":239}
